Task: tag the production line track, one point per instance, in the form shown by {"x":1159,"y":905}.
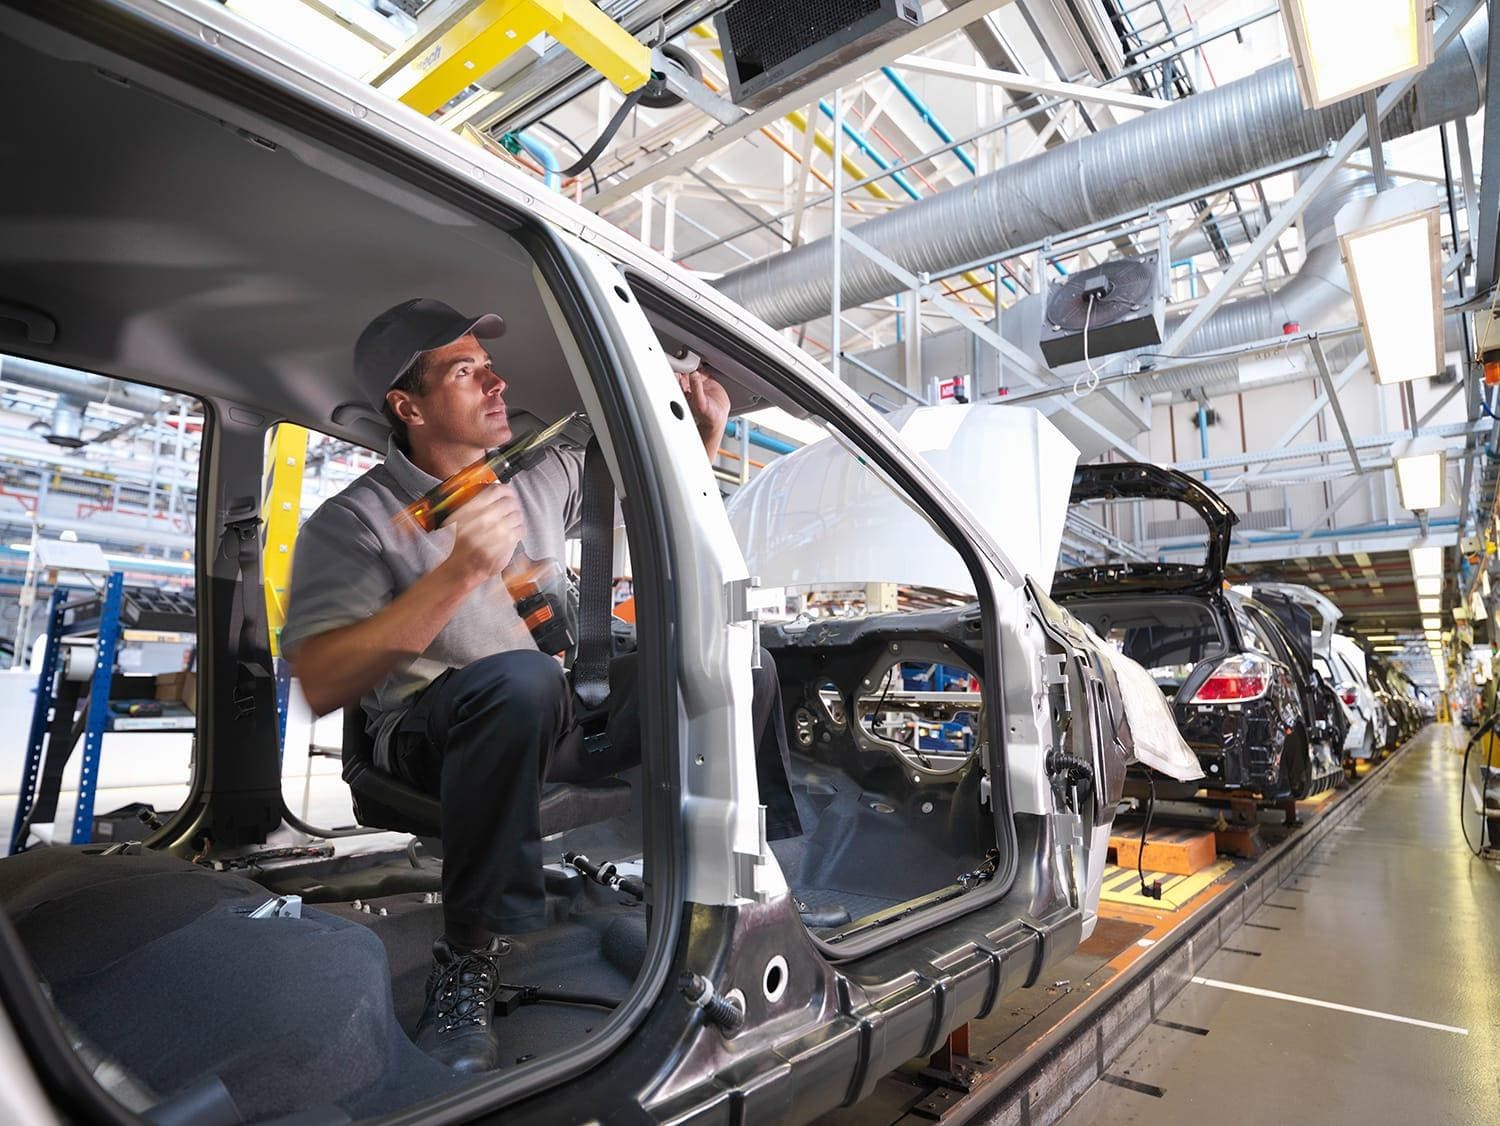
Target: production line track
{"x":1042,"y":1048}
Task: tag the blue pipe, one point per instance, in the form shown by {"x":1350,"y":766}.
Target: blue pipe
{"x":928,"y":116}
{"x":1203,"y":434}
{"x":545,"y":157}
{"x":1322,"y":533}
{"x":865,"y":147}
{"x":764,"y":441}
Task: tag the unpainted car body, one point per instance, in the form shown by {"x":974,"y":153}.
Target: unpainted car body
{"x":236,"y":216}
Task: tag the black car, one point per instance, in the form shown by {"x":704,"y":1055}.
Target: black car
{"x":1243,"y":688}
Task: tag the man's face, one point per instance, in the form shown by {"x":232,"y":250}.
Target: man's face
{"x":461,"y":400}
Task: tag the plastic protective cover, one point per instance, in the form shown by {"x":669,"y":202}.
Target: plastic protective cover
{"x":820,"y":515}
{"x":1157,"y":741}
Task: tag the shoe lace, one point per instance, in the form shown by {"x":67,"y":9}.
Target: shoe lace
{"x":464,"y":989}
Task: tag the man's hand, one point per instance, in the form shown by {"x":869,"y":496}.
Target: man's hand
{"x":709,"y":404}
{"x":486,"y":532}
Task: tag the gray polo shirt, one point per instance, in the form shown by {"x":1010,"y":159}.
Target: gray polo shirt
{"x":353,"y":558}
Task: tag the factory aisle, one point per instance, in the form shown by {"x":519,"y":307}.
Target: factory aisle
{"x":1392,"y":930}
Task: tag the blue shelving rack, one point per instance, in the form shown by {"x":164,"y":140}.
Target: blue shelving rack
{"x":106,"y":644}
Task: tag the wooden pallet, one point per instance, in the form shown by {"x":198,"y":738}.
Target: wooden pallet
{"x":1180,"y":852}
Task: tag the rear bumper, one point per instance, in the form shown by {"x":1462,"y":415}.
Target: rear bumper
{"x":1239,"y":750}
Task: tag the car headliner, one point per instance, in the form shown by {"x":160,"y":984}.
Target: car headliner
{"x":200,"y":250}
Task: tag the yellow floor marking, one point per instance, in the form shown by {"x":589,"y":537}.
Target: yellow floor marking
{"x":1123,"y":885}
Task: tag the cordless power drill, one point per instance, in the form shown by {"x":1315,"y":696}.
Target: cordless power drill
{"x":539,"y":587}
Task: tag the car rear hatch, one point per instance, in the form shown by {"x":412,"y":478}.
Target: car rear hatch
{"x":1100,"y":516}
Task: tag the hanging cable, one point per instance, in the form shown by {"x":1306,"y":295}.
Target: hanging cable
{"x":1093,"y":376}
{"x":1487,"y":727}
{"x":606,"y":135}
{"x":567,"y":140}
{"x":1153,"y":889}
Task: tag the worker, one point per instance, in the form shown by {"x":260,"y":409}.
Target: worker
{"x":418,"y":628}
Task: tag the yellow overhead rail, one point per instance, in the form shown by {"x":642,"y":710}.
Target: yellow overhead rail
{"x":496,"y":29}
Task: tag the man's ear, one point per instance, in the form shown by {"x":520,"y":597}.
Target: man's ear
{"x":405,"y":407}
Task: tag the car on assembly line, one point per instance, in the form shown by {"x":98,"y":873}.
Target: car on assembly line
{"x":1398,"y":694}
{"x":192,"y":206}
{"x":1338,"y":661}
{"x":1353,"y":685}
{"x":1245,"y":697}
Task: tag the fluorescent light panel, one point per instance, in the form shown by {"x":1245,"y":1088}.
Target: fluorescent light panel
{"x":1419,"y":484}
{"x":1341,"y":49}
{"x":1430,"y":605}
{"x":1429,"y":586}
{"x":1426,"y":560}
{"x":1392,"y":254}
{"x":1432,"y":623}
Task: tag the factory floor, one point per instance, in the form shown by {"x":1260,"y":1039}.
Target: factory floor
{"x":1362,"y":991}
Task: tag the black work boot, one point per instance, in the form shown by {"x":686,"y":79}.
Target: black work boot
{"x":457,"y":1024}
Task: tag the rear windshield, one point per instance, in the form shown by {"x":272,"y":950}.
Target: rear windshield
{"x":1170,"y":637}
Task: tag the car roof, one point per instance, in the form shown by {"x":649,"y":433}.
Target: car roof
{"x":220,"y":255}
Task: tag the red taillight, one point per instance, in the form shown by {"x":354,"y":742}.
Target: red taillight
{"x":1237,"y":679}
{"x":1348,"y":697}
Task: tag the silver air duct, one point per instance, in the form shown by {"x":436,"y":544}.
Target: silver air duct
{"x":1222,"y":134}
{"x":1316,"y":296}
{"x":79,"y":386}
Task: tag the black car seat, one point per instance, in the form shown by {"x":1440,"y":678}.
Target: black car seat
{"x":383,"y":801}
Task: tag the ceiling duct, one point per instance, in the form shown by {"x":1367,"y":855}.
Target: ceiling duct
{"x":66,"y":426}
{"x":78,"y":385}
{"x":1219,"y":135}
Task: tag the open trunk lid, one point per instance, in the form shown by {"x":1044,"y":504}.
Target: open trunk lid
{"x":1098,"y":487}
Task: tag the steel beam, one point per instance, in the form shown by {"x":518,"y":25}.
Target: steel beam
{"x":1337,"y":503}
{"x":1319,"y":449}
{"x":496,"y":29}
{"x":1332,"y":394}
{"x":1018,"y":361}
{"x":935,"y":29}
{"x":1487,"y":248}
{"x":1010,"y":80}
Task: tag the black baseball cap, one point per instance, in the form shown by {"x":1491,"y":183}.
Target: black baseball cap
{"x":390,"y":342}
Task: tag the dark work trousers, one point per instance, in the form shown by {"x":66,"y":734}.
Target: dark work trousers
{"x":483,"y":738}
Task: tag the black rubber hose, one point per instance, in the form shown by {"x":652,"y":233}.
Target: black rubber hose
{"x":1463,"y":784}
{"x":603,"y":139}
{"x":1140,"y":855}
{"x":589,"y":1000}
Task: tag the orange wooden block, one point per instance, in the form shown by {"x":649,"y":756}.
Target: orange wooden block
{"x":1180,"y":852}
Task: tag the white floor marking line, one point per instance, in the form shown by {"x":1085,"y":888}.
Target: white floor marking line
{"x":1326,"y":1005}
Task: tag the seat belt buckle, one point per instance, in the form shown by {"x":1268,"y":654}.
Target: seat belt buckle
{"x":595,"y":733}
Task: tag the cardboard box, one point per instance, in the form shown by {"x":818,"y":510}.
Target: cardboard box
{"x":180,"y":686}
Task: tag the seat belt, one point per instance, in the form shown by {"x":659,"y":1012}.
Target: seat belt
{"x":595,"y":637}
{"x":246,"y":649}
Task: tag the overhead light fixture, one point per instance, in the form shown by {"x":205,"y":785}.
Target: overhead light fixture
{"x":1429,"y":586}
{"x":1432,"y":624}
{"x":1390,"y":648}
{"x":1426,"y":559}
{"x":1393,"y":257}
{"x":1430,"y":605}
{"x":1380,"y":637}
{"x":1340,"y":51}
{"x":1421,"y":469}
